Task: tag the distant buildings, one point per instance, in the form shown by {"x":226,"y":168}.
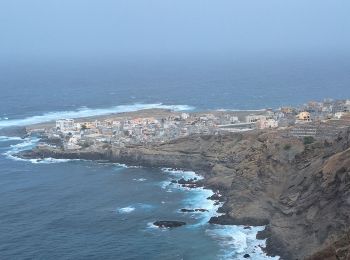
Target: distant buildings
{"x":254,"y":118}
{"x":303,"y":117}
{"x":316,"y":119}
{"x":304,"y":130}
{"x":65,"y":124}
{"x":266,"y":123}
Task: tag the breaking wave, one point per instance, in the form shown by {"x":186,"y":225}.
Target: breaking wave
{"x":131,"y":208}
{"x":182,"y":174}
{"x":234,"y":241}
{"x":26,"y":144}
{"x":9,"y":138}
{"x":87,"y":112}
{"x":123,"y":165}
{"x":126,"y":210}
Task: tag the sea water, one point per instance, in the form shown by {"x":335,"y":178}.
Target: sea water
{"x":72,"y":209}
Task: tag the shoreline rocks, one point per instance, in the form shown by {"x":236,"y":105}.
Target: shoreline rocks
{"x":193,"y":210}
{"x":14,"y":131}
{"x":300,"y":193}
{"x":169,"y":223}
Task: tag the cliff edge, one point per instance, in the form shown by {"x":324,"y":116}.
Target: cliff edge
{"x":300,"y":192}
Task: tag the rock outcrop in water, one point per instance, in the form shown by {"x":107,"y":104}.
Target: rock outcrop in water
{"x":14,"y":131}
{"x":169,"y":223}
{"x":301,"y":192}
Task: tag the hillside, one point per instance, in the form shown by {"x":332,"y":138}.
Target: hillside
{"x":301,"y":192}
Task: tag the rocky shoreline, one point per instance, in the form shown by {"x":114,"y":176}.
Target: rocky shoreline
{"x":300,"y":192}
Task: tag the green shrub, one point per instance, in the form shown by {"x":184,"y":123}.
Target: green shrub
{"x":85,"y":145}
{"x":287,"y":147}
{"x":308,"y":140}
{"x":106,"y":146}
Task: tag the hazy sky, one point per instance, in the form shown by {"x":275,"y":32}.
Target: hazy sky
{"x":138,"y":27}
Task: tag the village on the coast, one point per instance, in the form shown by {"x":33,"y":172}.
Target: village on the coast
{"x":315,"y":119}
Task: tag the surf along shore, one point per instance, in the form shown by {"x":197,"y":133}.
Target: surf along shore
{"x":299,"y":191}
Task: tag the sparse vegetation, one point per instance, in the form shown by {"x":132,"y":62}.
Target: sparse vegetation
{"x":308,"y":140}
{"x":106,"y":146}
{"x":85,"y":145}
{"x":287,"y":147}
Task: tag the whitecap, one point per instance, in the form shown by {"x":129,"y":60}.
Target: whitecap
{"x":88,"y":112}
{"x":10,"y":138}
{"x":122,"y":165}
{"x":50,"y":160}
{"x":182,"y":174}
{"x":235,"y":241}
{"x":126,"y":210}
{"x":140,"y":179}
{"x":151,"y":225}
{"x":26,"y":144}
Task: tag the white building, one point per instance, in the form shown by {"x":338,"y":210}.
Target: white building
{"x":266,"y":123}
{"x":338,"y":115}
{"x":234,"y":119}
{"x":254,"y":118}
{"x":65,"y":124}
{"x":184,"y":116}
{"x":303,"y":117}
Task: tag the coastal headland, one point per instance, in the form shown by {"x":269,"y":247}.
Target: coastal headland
{"x":297,"y":186}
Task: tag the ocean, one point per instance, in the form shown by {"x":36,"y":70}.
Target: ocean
{"x":71,"y":209}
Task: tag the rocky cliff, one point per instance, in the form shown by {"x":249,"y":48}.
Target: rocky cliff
{"x":300,"y":192}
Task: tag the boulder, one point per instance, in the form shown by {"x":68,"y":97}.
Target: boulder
{"x":169,"y":223}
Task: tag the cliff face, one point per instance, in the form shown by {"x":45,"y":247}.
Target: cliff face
{"x":302,"y":193}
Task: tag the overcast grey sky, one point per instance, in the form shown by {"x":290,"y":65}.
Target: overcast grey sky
{"x":139,"y":27}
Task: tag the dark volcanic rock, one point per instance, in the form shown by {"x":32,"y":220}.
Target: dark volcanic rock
{"x":194,"y":210}
{"x":201,"y":210}
{"x":56,"y":141}
{"x":14,"y":131}
{"x":300,"y":193}
{"x":183,"y":181}
{"x":191,"y":183}
{"x":263,"y":234}
{"x":187,"y":210}
{"x":169,"y":223}
{"x":216,"y":196}
{"x":227,"y":220}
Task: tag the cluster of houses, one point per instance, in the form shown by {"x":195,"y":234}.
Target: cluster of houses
{"x":313,"y":119}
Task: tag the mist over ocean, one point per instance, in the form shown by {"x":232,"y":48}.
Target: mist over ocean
{"x":61,"y":209}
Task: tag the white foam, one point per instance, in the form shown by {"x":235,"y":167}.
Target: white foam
{"x":26,"y":144}
{"x":9,"y":138}
{"x":121,"y":165}
{"x":51,"y":160}
{"x":196,"y":198}
{"x":235,"y":241}
{"x":87,"y":112}
{"x":140,"y":179}
{"x":133,"y":207}
{"x":182,"y":174}
{"x":126,"y":210}
{"x":151,"y":225}
{"x":127,"y":166}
